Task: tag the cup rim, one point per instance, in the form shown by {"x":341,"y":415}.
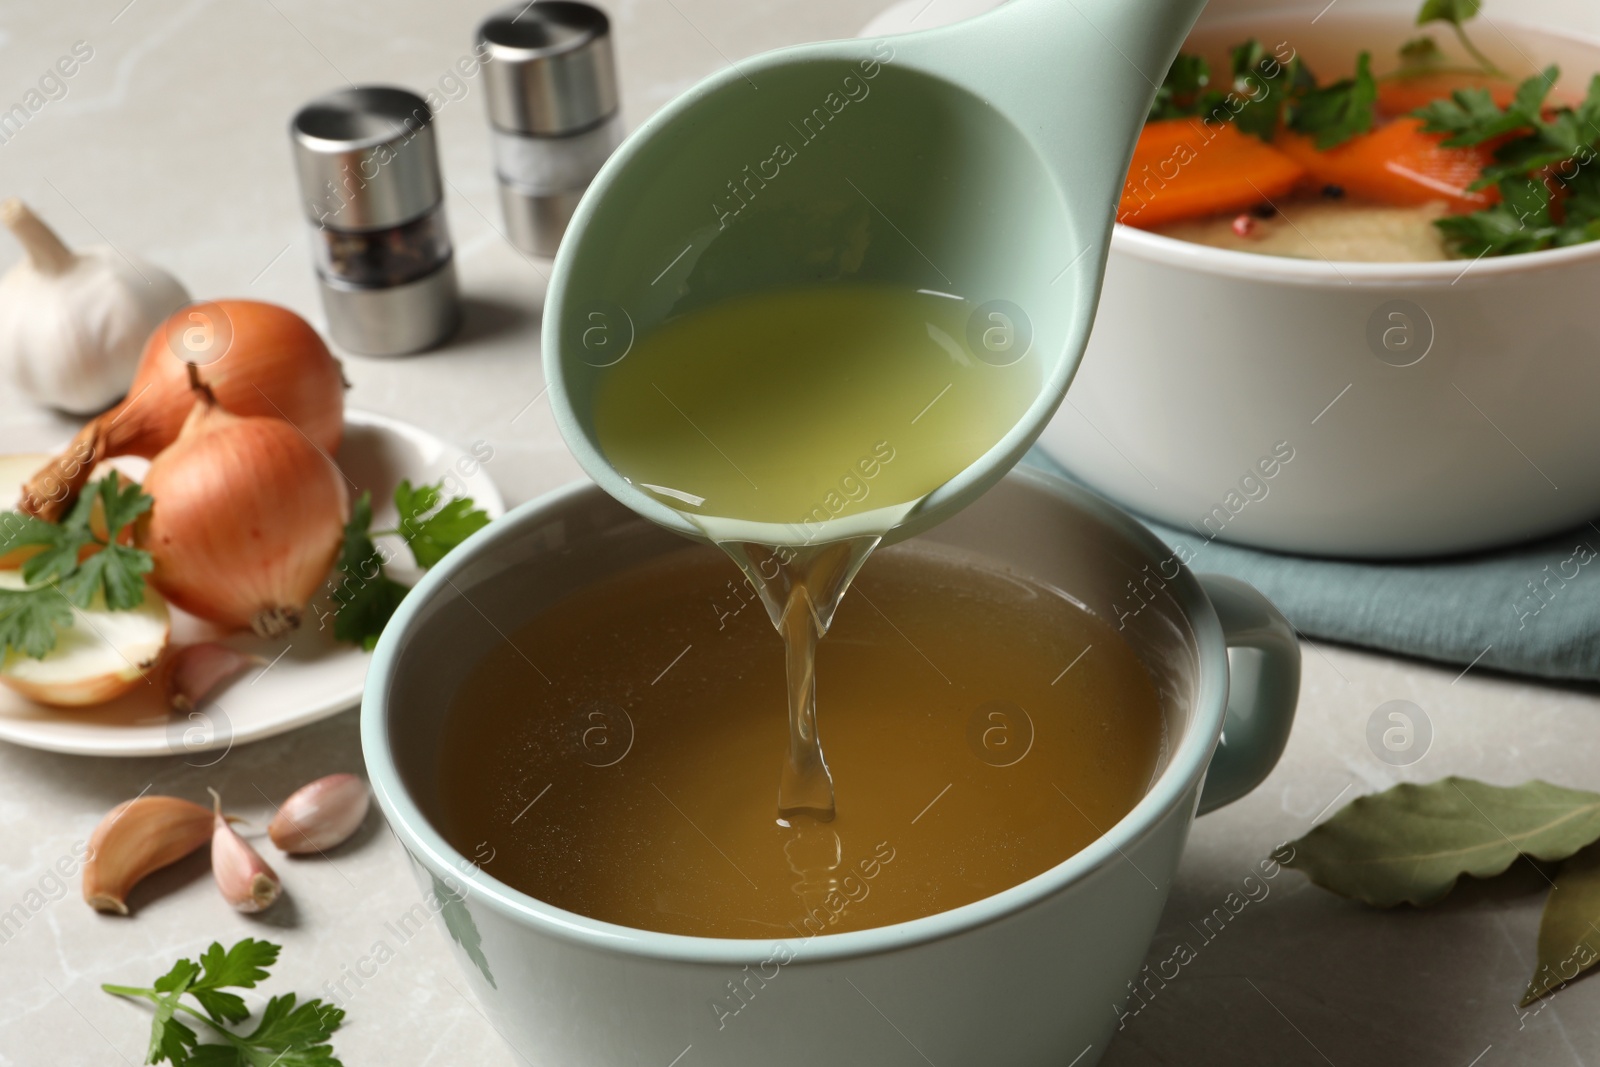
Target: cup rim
{"x":1181,"y":777}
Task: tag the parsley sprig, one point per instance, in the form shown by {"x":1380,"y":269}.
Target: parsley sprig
{"x":1457,"y":13}
{"x":1183,"y":93}
{"x":1268,"y":93}
{"x":60,"y":576}
{"x":287,"y":1035}
{"x":1333,"y":114}
{"x":430,"y":525}
{"x":1544,"y":167}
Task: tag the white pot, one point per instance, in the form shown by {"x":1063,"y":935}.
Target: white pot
{"x":1206,"y":368}
{"x":1204,"y":362}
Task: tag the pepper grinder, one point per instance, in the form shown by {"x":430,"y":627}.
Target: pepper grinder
{"x":551,"y":83}
{"x":369,"y":179}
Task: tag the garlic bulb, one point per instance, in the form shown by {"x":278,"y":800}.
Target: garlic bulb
{"x":73,"y":324}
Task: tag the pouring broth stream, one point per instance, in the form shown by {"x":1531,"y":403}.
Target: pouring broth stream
{"x":796,"y":428}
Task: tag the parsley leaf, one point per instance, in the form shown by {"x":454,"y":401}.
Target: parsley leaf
{"x":30,"y":618}
{"x":1179,"y":95}
{"x":285,"y":1027}
{"x":60,"y":555}
{"x":1457,"y":13}
{"x":1544,"y":168}
{"x":1565,"y":134}
{"x":1452,"y":11}
{"x":18,"y":530}
{"x":60,"y":575}
{"x":169,"y":1038}
{"x":287,"y":1035}
{"x":242,"y":966}
{"x":1581,"y":208}
{"x":1267,"y":91}
{"x":178,"y":979}
{"x":366,"y":598}
{"x":1260,"y":86}
{"x":1335,"y":113}
{"x":1520,"y":222}
{"x":116,"y":571}
{"x":122,"y":503}
{"x":432,"y":526}
{"x":1420,"y":55}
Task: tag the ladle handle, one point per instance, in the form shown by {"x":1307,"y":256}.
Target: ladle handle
{"x":1077,"y":76}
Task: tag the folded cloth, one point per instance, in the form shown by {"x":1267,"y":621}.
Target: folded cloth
{"x":1531,"y":609}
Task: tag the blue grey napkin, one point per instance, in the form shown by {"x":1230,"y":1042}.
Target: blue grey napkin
{"x":1532,"y":609}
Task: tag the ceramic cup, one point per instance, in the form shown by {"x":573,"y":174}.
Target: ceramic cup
{"x":1032,"y":976}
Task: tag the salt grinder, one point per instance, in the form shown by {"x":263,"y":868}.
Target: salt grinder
{"x":369,"y":180}
{"x":551,"y":83}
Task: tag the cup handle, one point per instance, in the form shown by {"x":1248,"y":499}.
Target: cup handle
{"x":1260,"y":708}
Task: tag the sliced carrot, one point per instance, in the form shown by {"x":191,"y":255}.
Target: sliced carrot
{"x":1186,"y":168}
{"x":1402,"y":96}
{"x":1397,"y":164}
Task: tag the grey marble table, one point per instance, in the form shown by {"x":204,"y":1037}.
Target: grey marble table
{"x":171,"y":141}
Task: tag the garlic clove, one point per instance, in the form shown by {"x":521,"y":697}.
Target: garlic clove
{"x":136,"y":837}
{"x":104,"y":655}
{"x":73,"y":324}
{"x":193,"y":671}
{"x":246,"y":881}
{"x":320,"y":815}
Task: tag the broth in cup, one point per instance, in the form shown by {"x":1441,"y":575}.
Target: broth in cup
{"x":615,"y":754}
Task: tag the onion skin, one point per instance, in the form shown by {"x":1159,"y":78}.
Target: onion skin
{"x":248,"y":518}
{"x":276,"y":366}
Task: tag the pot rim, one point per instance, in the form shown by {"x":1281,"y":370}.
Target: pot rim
{"x":1177,"y":784}
{"x":1342,"y":274}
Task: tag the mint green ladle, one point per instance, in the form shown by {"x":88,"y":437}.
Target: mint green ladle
{"x":983,"y":159}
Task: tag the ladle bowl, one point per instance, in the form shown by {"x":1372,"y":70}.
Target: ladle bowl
{"x":982,"y":160}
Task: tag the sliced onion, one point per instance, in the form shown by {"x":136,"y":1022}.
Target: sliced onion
{"x":101,"y":656}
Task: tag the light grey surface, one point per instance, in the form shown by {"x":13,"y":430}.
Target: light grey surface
{"x":172,"y":142}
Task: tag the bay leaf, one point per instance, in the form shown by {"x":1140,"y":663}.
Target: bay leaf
{"x":1410,"y":844}
{"x":1569,"y":931}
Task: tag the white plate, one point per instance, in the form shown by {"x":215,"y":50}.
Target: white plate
{"x":309,"y":677}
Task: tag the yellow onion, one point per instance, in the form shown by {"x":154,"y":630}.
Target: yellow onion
{"x":275,"y":364}
{"x":248,"y":518}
